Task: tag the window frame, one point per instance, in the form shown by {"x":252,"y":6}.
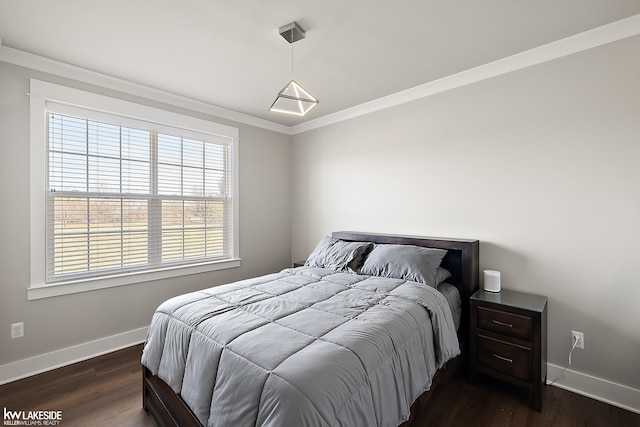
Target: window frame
{"x":41,"y":93}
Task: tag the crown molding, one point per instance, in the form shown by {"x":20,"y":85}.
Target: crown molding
{"x":609,"y":33}
{"x":62,"y":69}
{"x":598,"y":36}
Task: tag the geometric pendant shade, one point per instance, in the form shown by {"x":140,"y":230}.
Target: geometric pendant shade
{"x":293,"y":99}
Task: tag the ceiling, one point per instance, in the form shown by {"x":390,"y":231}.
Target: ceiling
{"x":229,"y":54}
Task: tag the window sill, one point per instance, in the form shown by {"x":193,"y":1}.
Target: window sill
{"x":53,"y":290}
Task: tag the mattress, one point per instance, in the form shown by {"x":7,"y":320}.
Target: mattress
{"x":452,"y":295}
{"x":305,"y":347}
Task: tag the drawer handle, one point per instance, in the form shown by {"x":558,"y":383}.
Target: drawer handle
{"x":504,"y":359}
{"x":508,"y":325}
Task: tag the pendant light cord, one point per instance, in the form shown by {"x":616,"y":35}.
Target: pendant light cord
{"x":291,"y":53}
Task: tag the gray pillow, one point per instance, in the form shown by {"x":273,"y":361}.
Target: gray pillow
{"x":406,"y":262}
{"x":442,"y":275}
{"x":319,"y":253}
{"x":338,"y":254}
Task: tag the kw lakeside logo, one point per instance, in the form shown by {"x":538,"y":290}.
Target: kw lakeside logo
{"x":31,"y":418}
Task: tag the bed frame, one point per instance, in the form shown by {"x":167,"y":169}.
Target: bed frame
{"x":169,"y":410}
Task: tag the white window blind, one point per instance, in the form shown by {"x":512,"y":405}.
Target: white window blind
{"x":127,"y":195}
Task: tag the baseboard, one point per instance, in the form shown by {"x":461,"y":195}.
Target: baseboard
{"x":46,"y":362}
{"x":596,"y":388}
{"x":600,"y":389}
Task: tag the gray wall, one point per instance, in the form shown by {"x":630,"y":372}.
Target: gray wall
{"x":64,"y":321}
{"x":541,"y":165}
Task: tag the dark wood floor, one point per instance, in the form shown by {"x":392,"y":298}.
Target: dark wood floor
{"x":106,"y":391}
{"x":495,"y":403}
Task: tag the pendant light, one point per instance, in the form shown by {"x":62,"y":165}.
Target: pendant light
{"x":293,"y":98}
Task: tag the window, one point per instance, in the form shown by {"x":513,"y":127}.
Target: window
{"x":134,"y":192}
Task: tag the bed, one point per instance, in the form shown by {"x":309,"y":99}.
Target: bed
{"x":323,"y":370}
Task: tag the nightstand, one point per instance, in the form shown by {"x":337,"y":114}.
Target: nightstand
{"x":509,"y":339}
{"x":298,"y":263}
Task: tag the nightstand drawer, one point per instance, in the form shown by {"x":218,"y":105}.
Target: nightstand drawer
{"x":504,"y":357}
{"x":504,"y":323}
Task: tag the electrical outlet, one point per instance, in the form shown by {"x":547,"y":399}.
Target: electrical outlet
{"x":17,"y":330}
{"x":577,"y":336}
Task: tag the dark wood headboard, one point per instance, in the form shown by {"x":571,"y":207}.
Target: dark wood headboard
{"x":462,"y":260}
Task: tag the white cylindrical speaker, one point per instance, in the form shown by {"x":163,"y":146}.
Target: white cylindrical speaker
{"x":492,"y":281}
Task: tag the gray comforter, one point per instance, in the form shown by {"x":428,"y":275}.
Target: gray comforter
{"x":303,"y":347}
